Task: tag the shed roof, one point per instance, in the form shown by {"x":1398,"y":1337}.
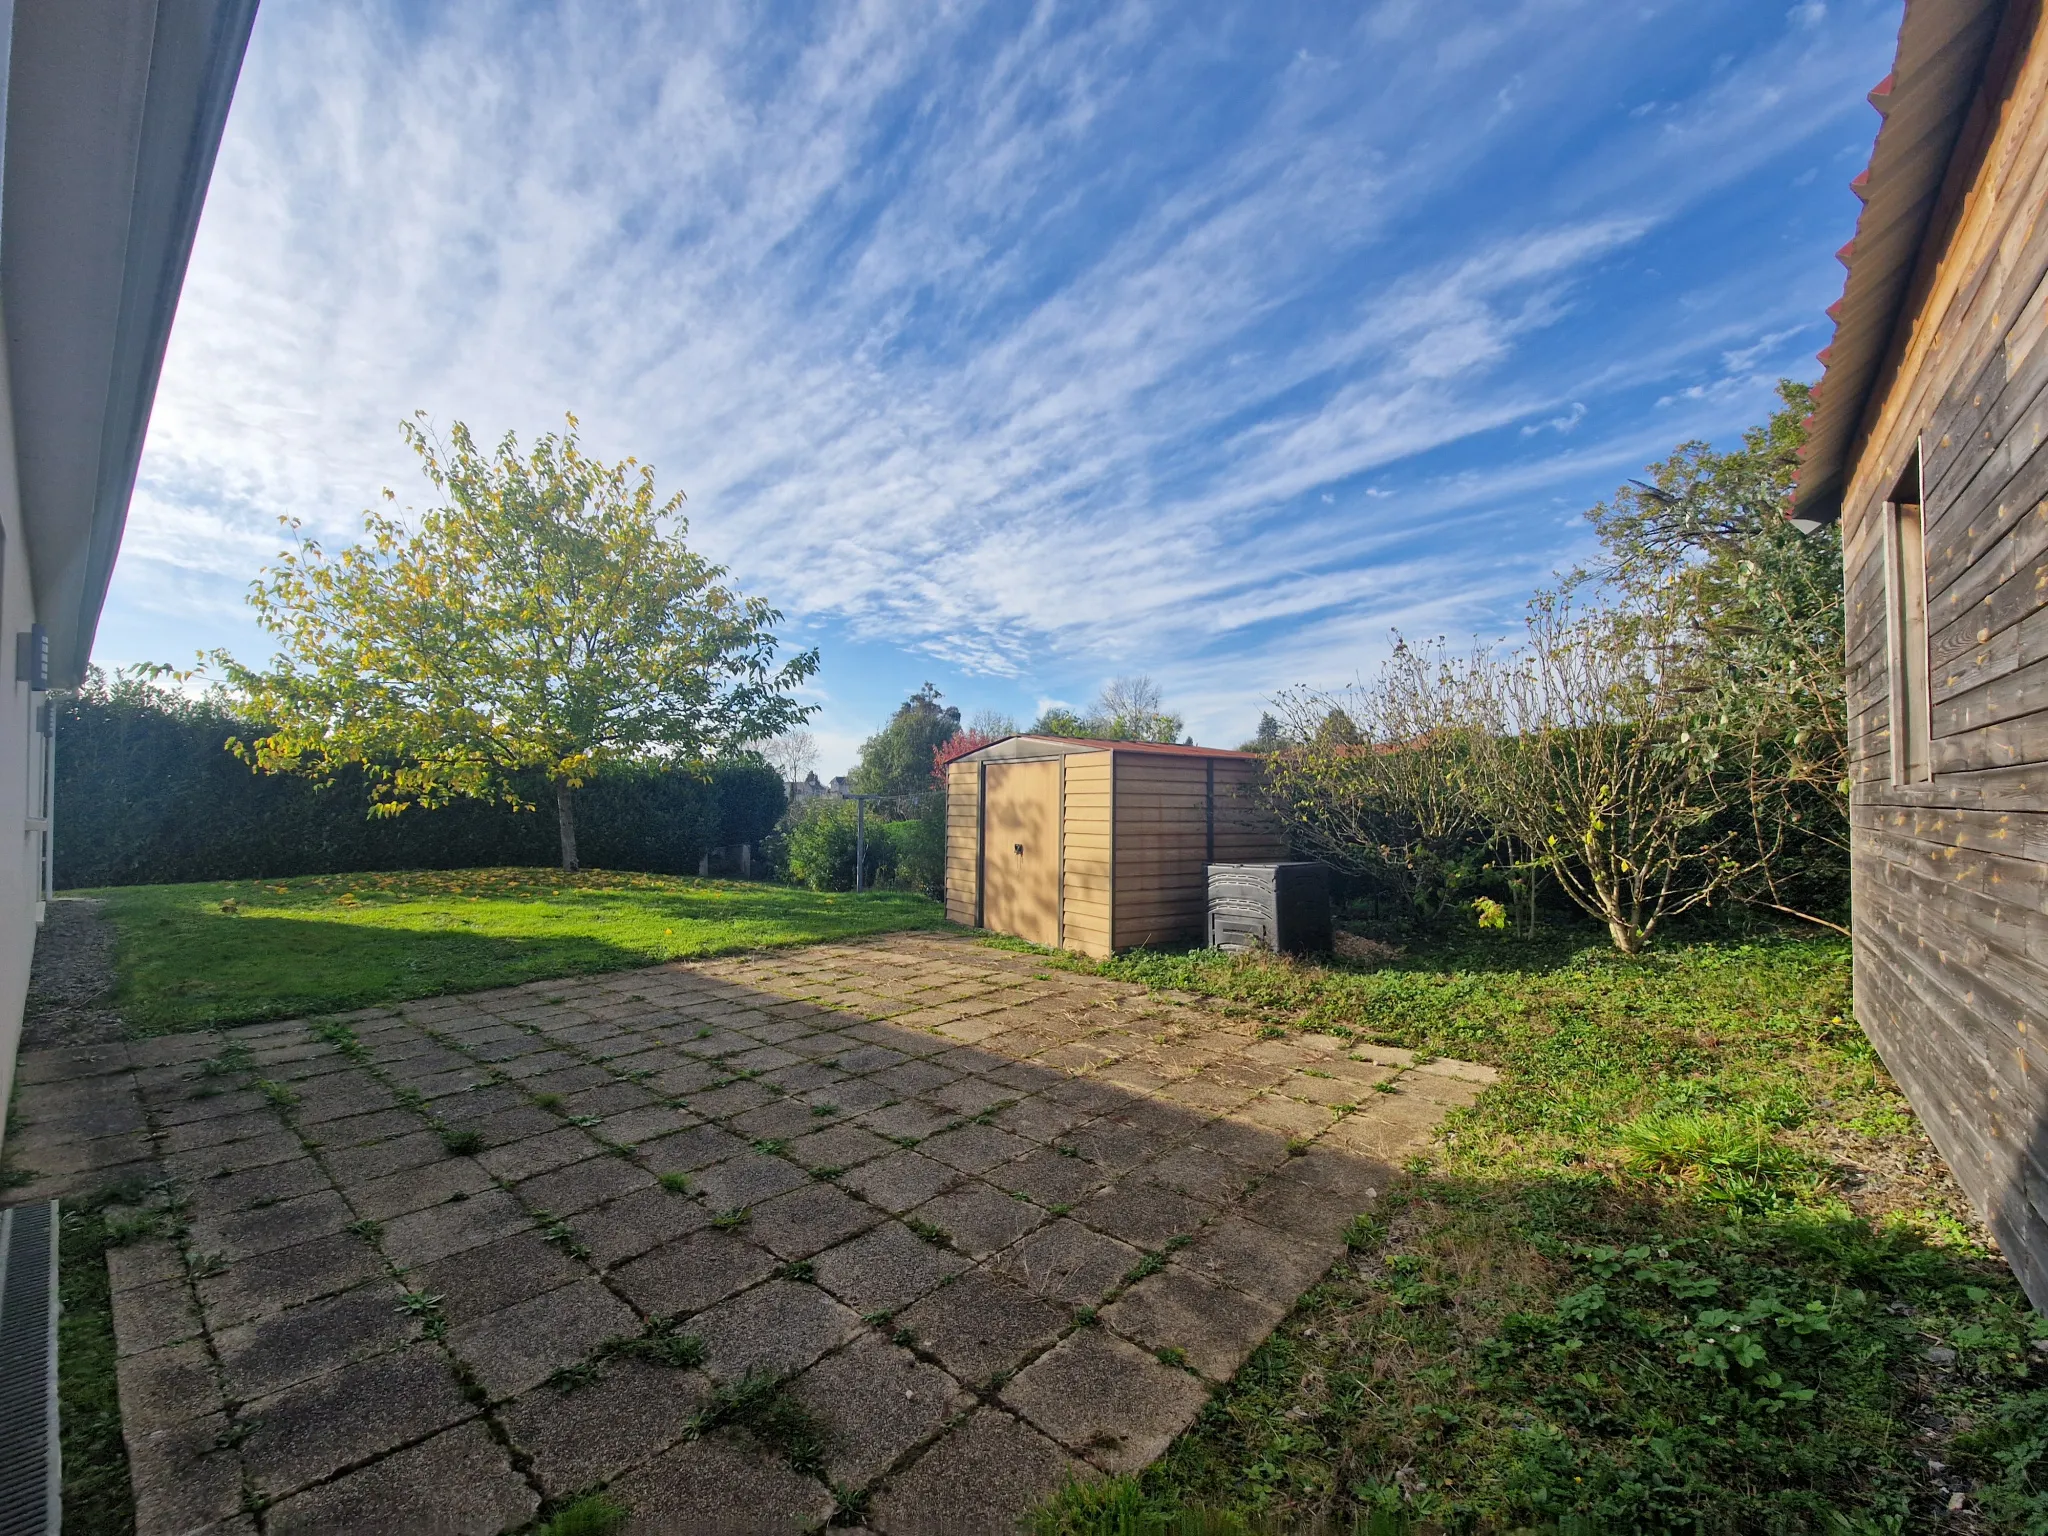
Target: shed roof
{"x":1926,"y":102}
{"x":1029,"y":744}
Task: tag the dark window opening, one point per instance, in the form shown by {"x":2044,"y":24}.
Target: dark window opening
{"x":1905,"y":543}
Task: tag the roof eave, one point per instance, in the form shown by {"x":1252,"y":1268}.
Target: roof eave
{"x":1926,"y":101}
{"x":114,"y":114}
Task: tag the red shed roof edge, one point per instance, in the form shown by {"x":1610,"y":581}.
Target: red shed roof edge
{"x":1098,"y":744}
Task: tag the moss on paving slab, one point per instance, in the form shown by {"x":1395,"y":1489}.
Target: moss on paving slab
{"x":97,"y":1497}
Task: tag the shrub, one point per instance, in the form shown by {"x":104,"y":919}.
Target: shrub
{"x":817,"y":848}
{"x":917,"y":850}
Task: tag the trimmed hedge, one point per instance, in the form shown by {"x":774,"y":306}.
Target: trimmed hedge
{"x":147,"y":793}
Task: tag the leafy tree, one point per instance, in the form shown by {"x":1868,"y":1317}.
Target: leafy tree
{"x":1755,"y":619}
{"x":544,"y":618}
{"x":1338,"y":729}
{"x":1127,"y":709}
{"x":953,"y":749}
{"x":1267,"y":738}
{"x":1671,"y":728}
{"x":816,"y":846}
{"x":898,"y":759}
{"x":1061,"y":721}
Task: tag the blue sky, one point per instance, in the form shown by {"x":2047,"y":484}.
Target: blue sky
{"x":1015,"y":346}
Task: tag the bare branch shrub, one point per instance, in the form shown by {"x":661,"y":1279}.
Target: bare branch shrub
{"x":1587,"y":749}
{"x":1375,"y":779}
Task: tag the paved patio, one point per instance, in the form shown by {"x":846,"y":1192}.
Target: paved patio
{"x":902,"y":1233}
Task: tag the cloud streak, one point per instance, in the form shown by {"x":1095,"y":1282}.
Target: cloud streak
{"x":1028,"y":347}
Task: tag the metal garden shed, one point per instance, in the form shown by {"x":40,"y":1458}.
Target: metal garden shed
{"x":1097,"y":846}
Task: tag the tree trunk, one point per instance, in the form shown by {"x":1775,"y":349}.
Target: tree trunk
{"x":565,"y":817}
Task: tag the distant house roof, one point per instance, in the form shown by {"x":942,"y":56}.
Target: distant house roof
{"x":1031,"y":744}
{"x":1908,"y":197}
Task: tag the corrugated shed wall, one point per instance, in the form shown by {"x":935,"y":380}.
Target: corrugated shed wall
{"x":1087,"y":853}
{"x":963,"y":824}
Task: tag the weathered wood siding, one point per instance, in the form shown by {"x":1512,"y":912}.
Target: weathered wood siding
{"x":1086,"y":872}
{"x":1951,"y":876}
{"x":1164,"y":836}
{"x":963,"y":829}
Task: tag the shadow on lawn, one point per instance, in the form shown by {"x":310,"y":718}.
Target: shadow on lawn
{"x":1561,"y":1354}
{"x":277,"y":965}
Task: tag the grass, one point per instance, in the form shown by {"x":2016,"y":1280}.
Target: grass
{"x":1681,"y":1269}
{"x":239,"y":951}
{"x":96,"y":1495}
{"x":594,"y":1514}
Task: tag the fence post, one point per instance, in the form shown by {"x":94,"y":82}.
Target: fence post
{"x":860,"y":842}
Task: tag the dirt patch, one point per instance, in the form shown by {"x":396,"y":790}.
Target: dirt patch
{"x":71,"y":984}
{"x":1904,"y":1174}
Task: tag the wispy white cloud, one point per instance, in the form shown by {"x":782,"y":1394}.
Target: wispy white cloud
{"x":1036,"y":345}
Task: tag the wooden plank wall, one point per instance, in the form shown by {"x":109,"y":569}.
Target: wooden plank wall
{"x":1087,"y":850}
{"x":1162,"y":841}
{"x":963,"y":822}
{"x":1950,"y":878}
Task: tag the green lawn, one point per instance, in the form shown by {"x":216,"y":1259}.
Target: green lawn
{"x":236,"y":951}
{"x":1684,"y":1269}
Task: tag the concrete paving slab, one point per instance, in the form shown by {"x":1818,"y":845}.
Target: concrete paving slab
{"x":529,"y":1341}
{"x":309,"y":1432}
{"x":982,"y":1325}
{"x":1126,"y":1121}
{"x":631,"y":1413}
{"x":1104,"y":1398}
{"x":302,"y":1342}
{"x":985,"y":1476}
{"x":459,"y":1483}
{"x":979,"y":1219}
{"x":885,"y":1269}
{"x":692,"y":1273}
{"x":1067,"y":1261}
{"x":899,"y":1180}
{"x":876,"y":1402}
{"x":496,"y":1275}
{"x":722,"y":1483}
{"x":421,"y":1237}
{"x":1211,"y":1325}
{"x":777,"y":1329}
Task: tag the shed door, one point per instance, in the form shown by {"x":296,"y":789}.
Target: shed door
{"x":1021,"y":851}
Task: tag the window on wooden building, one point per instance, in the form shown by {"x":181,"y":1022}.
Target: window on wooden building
{"x":1905,"y":541}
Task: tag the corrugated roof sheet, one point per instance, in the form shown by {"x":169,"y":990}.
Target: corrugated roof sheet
{"x":1925,"y":101}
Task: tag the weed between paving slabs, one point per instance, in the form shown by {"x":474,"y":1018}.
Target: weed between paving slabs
{"x":903,"y":1233}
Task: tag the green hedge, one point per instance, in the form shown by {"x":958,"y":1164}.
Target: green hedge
{"x":147,"y":794}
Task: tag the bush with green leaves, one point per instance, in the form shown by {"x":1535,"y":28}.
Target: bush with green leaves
{"x":149,"y":794}
{"x":1667,"y":734}
{"x":815,"y":847}
{"x":917,"y":850}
